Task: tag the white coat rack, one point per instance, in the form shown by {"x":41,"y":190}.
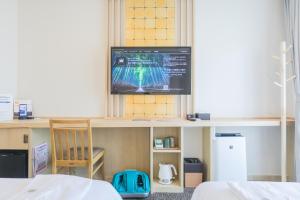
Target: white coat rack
{"x":282,"y":84}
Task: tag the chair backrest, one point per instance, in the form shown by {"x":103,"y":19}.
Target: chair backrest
{"x":69,"y":139}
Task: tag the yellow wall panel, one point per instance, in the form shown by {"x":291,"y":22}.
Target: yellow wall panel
{"x":129,"y":12}
{"x":139,"y":24}
{"x":129,"y":34}
{"x":130,"y":3}
{"x":161,"y":34}
{"x":149,"y":99}
{"x":139,"y":42}
{"x":169,"y":43}
{"x":162,"y":42}
{"x":139,"y":34}
{"x":150,"y":109}
{"x":170,"y":3}
{"x":138,"y":99}
{"x":150,"y":23}
{"x":150,"y":43}
{"x":162,"y":99}
{"x":149,"y":12}
{"x":161,"y":3}
{"x":170,"y":99}
{"x":139,"y":13}
{"x":139,"y":109}
{"x":129,"y":42}
{"x":130,"y":25}
{"x":160,"y":109}
{"x":171,"y":23}
{"x":150,"y":3}
{"x":170,"y":12}
{"x":138,"y":116}
{"x":150,"y":34}
{"x":161,"y":12}
{"x":170,"y":34}
{"x":170,"y":109}
{"x":129,"y":99}
{"x":129,"y":108}
{"x":139,"y":3}
{"x":161,"y":23}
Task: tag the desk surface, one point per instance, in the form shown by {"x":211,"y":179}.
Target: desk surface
{"x":110,"y":123}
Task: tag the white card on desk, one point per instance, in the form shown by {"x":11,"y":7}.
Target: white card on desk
{"x":6,"y":107}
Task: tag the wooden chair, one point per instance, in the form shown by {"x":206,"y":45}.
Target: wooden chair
{"x":72,"y":146}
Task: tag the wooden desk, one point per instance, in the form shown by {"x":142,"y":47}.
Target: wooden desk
{"x":106,"y":123}
{"x":129,"y":143}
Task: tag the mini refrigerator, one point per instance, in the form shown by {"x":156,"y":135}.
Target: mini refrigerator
{"x":229,"y":158}
{"x":13,"y":164}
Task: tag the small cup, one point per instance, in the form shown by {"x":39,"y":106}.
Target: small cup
{"x":167,"y":142}
{"x":172,"y":142}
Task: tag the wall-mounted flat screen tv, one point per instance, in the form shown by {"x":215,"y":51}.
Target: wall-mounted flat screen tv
{"x":151,"y":70}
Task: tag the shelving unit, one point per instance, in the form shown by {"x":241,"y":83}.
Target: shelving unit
{"x":168,"y":150}
{"x":167,"y":156}
{"x":133,"y":136}
{"x":174,"y":187}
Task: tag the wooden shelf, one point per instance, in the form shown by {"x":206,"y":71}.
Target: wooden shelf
{"x":172,"y":156}
{"x":167,"y":150}
{"x":172,"y":188}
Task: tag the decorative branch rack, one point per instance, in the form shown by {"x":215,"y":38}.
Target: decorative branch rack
{"x":283,"y":86}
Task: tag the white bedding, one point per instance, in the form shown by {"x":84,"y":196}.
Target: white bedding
{"x":247,"y":191}
{"x":56,"y":187}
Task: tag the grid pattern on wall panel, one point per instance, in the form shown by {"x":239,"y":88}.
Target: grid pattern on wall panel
{"x":150,"y":23}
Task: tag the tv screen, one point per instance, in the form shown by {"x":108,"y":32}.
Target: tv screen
{"x":151,"y":70}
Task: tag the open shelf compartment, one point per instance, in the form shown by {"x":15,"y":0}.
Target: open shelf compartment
{"x":172,"y":156}
{"x":163,"y":132}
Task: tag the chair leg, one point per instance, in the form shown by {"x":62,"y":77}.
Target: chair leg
{"x":54,"y":168}
{"x":102,"y":169}
{"x":73,"y":171}
{"x":90,"y":170}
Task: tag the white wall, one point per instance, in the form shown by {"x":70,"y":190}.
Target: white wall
{"x":234,"y":44}
{"x":235,"y":41}
{"x":62,"y":56}
{"x":8,"y":47}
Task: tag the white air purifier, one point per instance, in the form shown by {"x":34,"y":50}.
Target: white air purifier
{"x":230,"y":163}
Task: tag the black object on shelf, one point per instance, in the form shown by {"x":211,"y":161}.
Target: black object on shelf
{"x":202,"y":116}
{"x":13,"y":164}
{"x":228,"y":135}
{"x":193,"y":165}
{"x":191,"y":117}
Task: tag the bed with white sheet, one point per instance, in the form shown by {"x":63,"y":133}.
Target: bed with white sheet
{"x":252,"y":190}
{"x":56,"y":187}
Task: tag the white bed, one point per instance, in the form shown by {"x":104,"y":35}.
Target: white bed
{"x":247,"y":191}
{"x":56,"y":187}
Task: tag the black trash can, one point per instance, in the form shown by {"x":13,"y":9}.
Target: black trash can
{"x":193,"y":172}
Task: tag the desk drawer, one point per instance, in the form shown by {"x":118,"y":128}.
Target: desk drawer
{"x":14,"y":138}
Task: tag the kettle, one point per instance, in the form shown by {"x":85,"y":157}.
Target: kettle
{"x":165,"y":173}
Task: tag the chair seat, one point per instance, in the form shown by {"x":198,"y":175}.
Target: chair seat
{"x":96,"y":152}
